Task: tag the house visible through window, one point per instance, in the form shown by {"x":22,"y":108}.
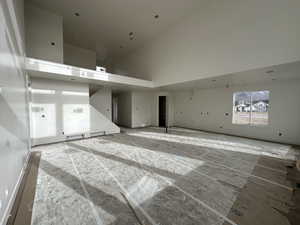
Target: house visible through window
{"x":251,"y":108}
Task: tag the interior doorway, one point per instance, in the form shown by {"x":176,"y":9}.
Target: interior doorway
{"x":115,"y":109}
{"x":162,"y":111}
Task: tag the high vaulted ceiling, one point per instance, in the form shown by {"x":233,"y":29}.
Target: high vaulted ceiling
{"x":104,"y":25}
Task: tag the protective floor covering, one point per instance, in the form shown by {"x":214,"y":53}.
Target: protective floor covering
{"x":146,"y":176}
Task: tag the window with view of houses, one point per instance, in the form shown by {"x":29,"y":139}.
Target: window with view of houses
{"x":251,"y":108}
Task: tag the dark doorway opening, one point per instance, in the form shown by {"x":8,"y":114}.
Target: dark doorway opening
{"x":162,"y":111}
{"x":114,"y":111}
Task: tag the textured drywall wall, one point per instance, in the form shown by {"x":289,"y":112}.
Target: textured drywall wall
{"x":44,"y":34}
{"x":61,"y":110}
{"x":101,"y":100}
{"x":99,"y":123}
{"x":284,"y":111}
{"x":142,"y":103}
{"x":220,"y":38}
{"x":125,"y":109}
{"x":14,"y":120}
{"x":140,"y":108}
{"x":53,"y":110}
{"x":80,"y":57}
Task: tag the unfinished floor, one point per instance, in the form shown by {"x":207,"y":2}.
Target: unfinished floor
{"x":145,"y":176}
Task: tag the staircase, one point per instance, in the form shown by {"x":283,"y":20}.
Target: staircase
{"x":100,"y":124}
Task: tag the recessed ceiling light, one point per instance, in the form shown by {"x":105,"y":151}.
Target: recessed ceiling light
{"x":77,"y":14}
{"x":156,"y":16}
{"x":270,"y":71}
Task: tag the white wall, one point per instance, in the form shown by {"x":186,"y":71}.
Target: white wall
{"x":100,"y":123}
{"x":221,"y":37}
{"x":61,"y":110}
{"x":14,"y":131}
{"x":284,"y":111}
{"x":140,"y":108}
{"x":80,"y":57}
{"x":142,"y":103}
{"x":135,"y":109}
{"x":101,"y":100}
{"x":43,"y":28}
{"x":125,"y":109}
{"x":52,"y":110}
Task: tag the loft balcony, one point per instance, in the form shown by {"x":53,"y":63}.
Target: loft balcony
{"x":47,"y":69}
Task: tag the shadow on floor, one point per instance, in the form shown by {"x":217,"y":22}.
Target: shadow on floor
{"x":265,"y":167}
{"x":22,"y":212}
{"x":107,"y":202}
{"x":256,"y":203}
{"x":254,"y":199}
{"x":147,"y":168}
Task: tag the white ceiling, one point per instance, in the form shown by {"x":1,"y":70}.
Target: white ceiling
{"x":104,"y":25}
{"x":277,"y":73}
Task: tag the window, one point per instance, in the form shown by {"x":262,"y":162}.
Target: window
{"x":251,"y":108}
